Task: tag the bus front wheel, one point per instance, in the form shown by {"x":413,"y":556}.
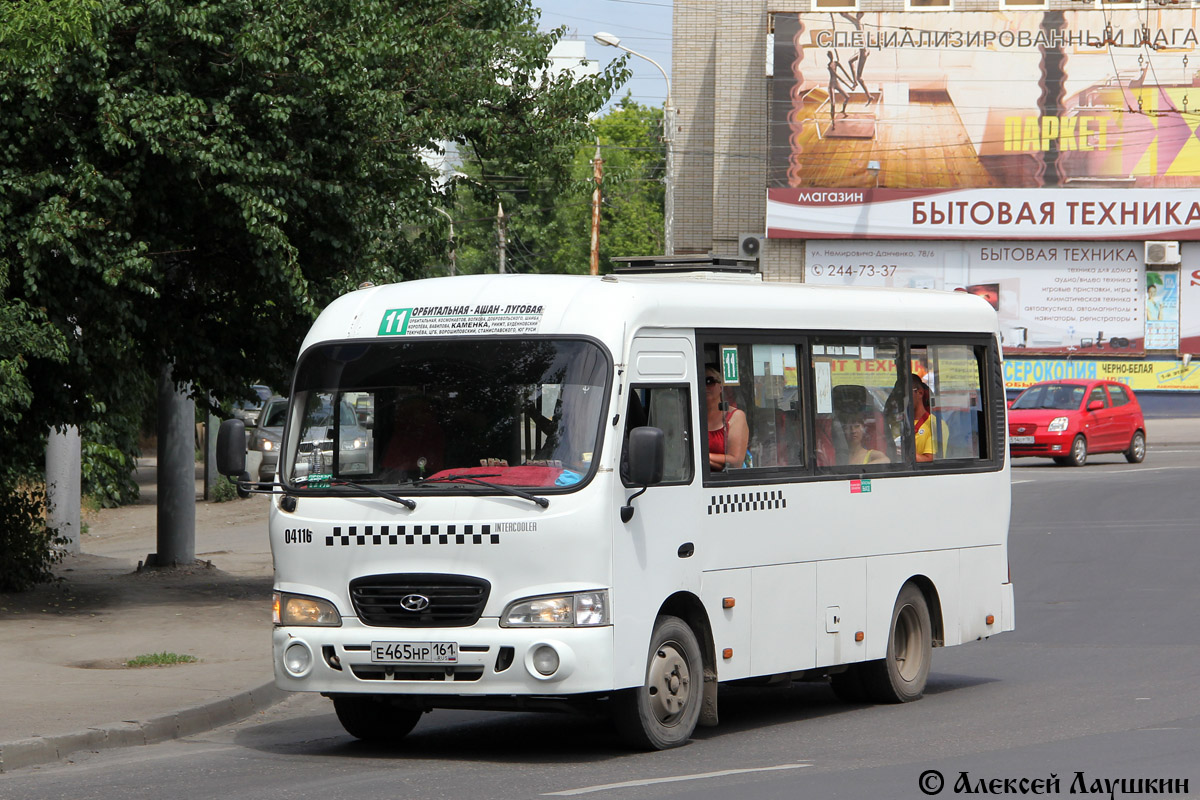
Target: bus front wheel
{"x":663,"y":712}
{"x":900,"y":677}
{"x":373,"y":719}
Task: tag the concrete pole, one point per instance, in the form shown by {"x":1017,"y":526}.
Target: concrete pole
{"x":176,"y":476}
{"x":63,"y":458}
{"x":210,"y":456}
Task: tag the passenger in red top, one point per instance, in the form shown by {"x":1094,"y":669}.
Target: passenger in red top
{"x":728,"y":433}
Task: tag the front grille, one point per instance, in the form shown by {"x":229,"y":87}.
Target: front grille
{"x":454,"y":601}
{"x":380,"y":672}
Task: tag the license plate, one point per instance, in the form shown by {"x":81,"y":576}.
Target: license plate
{"x":414,"y":652}
{"x":1020,"y":440}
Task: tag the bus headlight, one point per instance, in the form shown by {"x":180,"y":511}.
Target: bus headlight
{"x":298,"y":609}
{"x":1057,"y":425}
{"x":582,"y":609}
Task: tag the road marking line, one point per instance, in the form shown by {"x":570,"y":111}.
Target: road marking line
{"x":672,"y":779}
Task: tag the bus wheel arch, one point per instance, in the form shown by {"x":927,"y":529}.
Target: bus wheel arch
{"x":934,"y":601}
{"x":900,"y":676}
{"x":664,"y":711}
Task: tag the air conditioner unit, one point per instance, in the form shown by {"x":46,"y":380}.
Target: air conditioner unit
{"x":1162,"y":253}
{"x":750,"y":246}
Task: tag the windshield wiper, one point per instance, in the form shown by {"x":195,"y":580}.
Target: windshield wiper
{"x":474,"y":479}
{"x":404,"y":501}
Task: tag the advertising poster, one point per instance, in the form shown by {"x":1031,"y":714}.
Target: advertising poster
{"x":1162,"y":310}
{"x":1063,"y":298}
{"x":974,"y":125}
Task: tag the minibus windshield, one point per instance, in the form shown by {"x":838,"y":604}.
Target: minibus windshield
{"x":446,"y":415}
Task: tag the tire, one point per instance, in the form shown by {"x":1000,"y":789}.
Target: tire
{"x":848,"y":686}
{"x":1136,"y":453}
{"x":1079,"y":452}
{"x":374,"y":719}
{"x":900,"y":677}
{"x":663,"y":713}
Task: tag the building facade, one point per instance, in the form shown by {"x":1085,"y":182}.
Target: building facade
{"x":1043,"y":155}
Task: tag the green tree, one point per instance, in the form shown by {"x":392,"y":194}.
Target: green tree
{"x":549,"y":228}
{"x":192,"y":180}
{"x":40,"y":28}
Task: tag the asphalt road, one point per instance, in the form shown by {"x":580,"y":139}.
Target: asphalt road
{"x":1100,"y":682}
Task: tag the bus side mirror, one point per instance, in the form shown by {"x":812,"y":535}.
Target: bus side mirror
{"x":646,"y":449}
{"x":231,"y":448}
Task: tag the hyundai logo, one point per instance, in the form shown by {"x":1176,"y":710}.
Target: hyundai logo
{"x":414,"y":602}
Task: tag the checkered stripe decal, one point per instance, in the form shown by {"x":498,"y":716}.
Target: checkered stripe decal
{"x":412,"y":534}
{"x":746,"y":501}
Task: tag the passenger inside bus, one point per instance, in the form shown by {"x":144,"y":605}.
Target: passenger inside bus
{"x":857,"y":450}
{"x":728,"y":432}
{"x":930,"y":432}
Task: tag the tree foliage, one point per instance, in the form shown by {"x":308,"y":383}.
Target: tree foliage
{"x":193,"y":180}
{"x":549,"y":229}
{"x":28,"y":549}
{"x":187,"y":182}
{"x":32,"y":29}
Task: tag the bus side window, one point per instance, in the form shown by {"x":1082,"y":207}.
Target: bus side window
{"x":664,"y":407}
{"x":856,"y":411}
{"x":766,"y":389}
{"x":954,"y":375}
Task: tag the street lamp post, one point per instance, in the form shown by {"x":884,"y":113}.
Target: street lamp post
{"x":608,"y":40}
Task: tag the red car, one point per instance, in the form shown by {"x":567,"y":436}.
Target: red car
{"x":1065,"y":420}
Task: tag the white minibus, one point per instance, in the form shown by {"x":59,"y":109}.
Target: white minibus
{"x":615,"y":493}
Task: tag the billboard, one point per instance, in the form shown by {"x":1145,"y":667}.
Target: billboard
{"x":985,"y":125}
{"x":1060,"y":297}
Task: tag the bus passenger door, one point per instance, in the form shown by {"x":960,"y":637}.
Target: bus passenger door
{"x":652,"y":553}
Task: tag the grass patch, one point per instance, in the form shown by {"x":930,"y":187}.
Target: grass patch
{"x":160,"y":660}
{"x":223,"y":491}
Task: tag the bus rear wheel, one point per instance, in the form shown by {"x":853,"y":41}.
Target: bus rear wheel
{"x":900,"y":677}
{"x":374,"y":719}
{"x":663,"y":712}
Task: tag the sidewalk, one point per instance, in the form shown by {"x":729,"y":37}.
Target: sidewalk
{"x":63,"y":646}
{"x":1173,"y":431}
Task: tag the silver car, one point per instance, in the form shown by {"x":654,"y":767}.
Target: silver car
{"x":267,"y":437}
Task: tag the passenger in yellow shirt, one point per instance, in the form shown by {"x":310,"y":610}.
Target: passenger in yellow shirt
{"x":930,"y":432}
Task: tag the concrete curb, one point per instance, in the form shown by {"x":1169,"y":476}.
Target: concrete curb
{"x":174,"y":725}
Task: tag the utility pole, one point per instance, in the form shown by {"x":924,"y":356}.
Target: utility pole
{"x":598,"y":173}
{"x":176,"y":475}
{"x":502,"y":228}
{"x":63,"y":459}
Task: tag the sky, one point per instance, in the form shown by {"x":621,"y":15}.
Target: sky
{"x":641,"y":25}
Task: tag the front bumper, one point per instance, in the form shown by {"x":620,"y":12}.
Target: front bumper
{"x":491,"y":661}
{"x":1045,"y":445}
